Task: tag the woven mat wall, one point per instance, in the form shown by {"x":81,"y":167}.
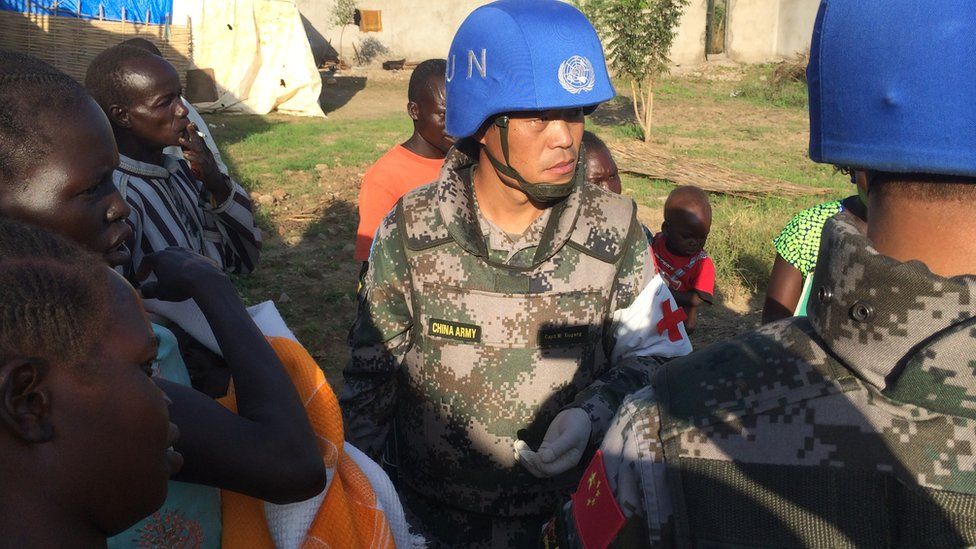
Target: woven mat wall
{"x":70,"y":44}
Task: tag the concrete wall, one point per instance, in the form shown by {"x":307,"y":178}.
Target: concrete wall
{"x":413,"y":29}
{"x":752,"y":30}
{"x":689,"y":45}
{"x":796,"y":19}
{"x":758,"y":30}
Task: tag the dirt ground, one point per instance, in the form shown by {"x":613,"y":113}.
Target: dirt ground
{"x":307,"y":265}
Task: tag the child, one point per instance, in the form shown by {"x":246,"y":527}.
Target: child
{"x":79,"y":463}
{"x":267,"y":450}
{"x":413,"y":163}
{"x":679,"y":250}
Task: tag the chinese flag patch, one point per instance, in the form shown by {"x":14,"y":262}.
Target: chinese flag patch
{"x":595,"y":510}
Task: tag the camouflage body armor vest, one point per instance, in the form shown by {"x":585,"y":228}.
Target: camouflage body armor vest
{"x":784,"y":445}
{"x":497,"y":351}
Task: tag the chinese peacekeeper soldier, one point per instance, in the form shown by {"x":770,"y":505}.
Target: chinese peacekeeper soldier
{"x":508,"y":307}
{"x":855,"y":426}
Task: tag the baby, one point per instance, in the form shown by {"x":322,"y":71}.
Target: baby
{"x":679,"y":250}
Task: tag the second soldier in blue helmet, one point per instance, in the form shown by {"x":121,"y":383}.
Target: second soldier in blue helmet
{"x":508,"y":308}
{"x":855,"y":426}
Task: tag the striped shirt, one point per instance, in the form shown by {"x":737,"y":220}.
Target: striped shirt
{"x":170,"y":207}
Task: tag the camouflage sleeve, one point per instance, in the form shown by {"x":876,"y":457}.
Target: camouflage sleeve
{"x":634,"y":461}
{"x":378,"y":339}
{"x":644,"y":329}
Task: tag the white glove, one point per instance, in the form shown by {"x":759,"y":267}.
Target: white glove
{"x":561,"y":448}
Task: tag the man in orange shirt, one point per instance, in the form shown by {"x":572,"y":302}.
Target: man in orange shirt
{"x":415,"y":162}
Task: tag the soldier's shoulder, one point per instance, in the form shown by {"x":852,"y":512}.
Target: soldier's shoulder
{"x":423,"y":195}
{"x":776,"y":364}
{"x":420,"y":217}
{"x":605,"y":222}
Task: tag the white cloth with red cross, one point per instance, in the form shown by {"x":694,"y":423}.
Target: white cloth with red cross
{"x":653,"y":325}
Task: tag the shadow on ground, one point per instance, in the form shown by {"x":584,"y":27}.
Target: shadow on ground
{"x":339,"y":90}
{"x":729,"y":317}
{"x":618,"y":111}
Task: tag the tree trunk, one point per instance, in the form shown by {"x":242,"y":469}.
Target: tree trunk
{"x":341,"y":34}
{"x":635,"y":98}
{"x":639,"y":91}
{"x":648,"y":111}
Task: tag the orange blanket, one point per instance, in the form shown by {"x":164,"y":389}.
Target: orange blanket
{"x":370,"y":21}
{"x":349,"y":516}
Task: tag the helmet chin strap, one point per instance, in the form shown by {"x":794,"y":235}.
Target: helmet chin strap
{"x":543,"y":193}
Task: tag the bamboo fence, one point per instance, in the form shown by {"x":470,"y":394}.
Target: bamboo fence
{"x":70,"y":43}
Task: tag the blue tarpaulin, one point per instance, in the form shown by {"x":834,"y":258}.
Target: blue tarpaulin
{"x":138,"y":11}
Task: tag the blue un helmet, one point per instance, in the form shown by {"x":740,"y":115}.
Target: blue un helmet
{"x":522,"y":55}
{"x":893,"y":86}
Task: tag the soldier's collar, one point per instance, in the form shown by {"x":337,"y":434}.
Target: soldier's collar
{"x":457,"y":210}
{"x":879,"y":315}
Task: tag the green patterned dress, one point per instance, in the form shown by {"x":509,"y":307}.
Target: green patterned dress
{"x":799,"y":244}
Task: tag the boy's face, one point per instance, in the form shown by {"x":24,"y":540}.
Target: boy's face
{"x":686,"y":231}
{"x":70,"y":190}
{"x":543,"y":146}
{"x":156,"y":113}
{"x":428,"y":114}
{"x":111,"y":422}
{"x":601,"y":170}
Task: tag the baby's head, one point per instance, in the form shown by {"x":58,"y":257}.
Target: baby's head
{"x":687,"y":220}
{"x":601,"y":170}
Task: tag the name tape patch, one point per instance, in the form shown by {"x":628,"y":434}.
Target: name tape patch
{"x":563,"y":336}
{"x":454,"y":330}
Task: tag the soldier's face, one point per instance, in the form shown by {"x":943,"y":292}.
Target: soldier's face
{"x":543,"y":146}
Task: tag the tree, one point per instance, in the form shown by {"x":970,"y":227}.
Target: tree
{"x":343,"y":14}
{"x":637,"y":36}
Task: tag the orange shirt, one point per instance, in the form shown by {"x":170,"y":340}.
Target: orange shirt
{"x":396,"y":173}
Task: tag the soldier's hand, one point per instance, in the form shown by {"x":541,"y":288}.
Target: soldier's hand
{"x":561,"y":448}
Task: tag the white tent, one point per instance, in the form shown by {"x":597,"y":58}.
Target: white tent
{"x":259,"y":53}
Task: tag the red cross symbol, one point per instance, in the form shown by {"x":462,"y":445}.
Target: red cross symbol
{"x":671,"y":321}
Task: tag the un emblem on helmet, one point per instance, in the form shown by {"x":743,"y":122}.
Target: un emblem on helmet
{"x":576,"y":75}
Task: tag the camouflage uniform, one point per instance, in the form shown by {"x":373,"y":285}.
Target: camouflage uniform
{"x":468,"y":338}
{"x":856,"y":426}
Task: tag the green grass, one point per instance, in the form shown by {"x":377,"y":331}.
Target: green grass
{"x":759,"y":88}
{"x":275,"y":148}
{"x":318,"y":162}
{"x":762,"y":131}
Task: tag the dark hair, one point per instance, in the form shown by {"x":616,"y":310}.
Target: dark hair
{"x":592,"y":140}
{"x":142,"y":44}
{"x":422,"y":75}
{"x":53,"y":296}
{"x":30,"y":92}
{"x":685,"y":195}
{"x":105,"y":78}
